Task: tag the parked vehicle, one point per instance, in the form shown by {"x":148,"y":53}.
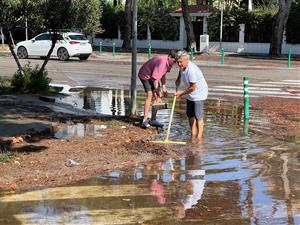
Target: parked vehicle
{"x":68,"y":45}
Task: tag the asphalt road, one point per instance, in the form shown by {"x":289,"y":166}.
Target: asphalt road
{"x":114,"y":72}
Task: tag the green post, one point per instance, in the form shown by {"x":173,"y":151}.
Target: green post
{"x":223,"y":56}
{"x":289,"y":57}
{"x":192,"y":53}
{"x":100,"y":48}
{"x":246,"y":99}
{"x":149,"y":51}
{"x":114,"y":49}
{"x":246,"y":128}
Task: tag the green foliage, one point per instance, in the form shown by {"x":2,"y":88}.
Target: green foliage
{"x":32,"y":81}
{"x":293,"y":24}
{"x":258,"y":24}
{"x":5,"y":84}
{"x":85,"y":15}
{"x":112,"y":18}
{"x":5,"y":155}
{"x":156,"y":14}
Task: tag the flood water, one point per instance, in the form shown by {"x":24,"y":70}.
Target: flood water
{"x":238,"y":175}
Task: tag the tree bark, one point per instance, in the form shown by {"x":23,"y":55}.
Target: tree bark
{"x":188,"y":24}
{"x":128,"y":21}
{"x":54,"y":37}
{"x":278,"y":27}
{"x":11,"y":48}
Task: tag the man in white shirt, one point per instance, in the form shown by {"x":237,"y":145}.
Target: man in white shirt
{"x":196,"y":91}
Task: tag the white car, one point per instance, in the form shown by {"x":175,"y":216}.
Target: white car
{"x":68,"y":45}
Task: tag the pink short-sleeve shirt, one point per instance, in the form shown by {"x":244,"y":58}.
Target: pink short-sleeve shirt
{"x":155,"y":68}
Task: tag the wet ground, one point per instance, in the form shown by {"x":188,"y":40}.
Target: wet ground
{"x":238,"y":175}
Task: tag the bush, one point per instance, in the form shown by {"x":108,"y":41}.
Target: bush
{"x":5,"y":84}
{"x":32,"y":81}
{"x":258,"y":24}
{"x":5,"y":155}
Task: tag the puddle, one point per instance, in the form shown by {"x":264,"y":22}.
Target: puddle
{"x":233,"y":177}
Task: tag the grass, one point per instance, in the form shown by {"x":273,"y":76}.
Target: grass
{"x":111,"y":123}
{"x":5,"y":155}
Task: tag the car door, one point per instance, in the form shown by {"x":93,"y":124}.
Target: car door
{"x":41,"y":45}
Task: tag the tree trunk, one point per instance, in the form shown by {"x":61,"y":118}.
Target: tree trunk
{"x":128,"y":21}
{"x":54,"y":39}
{"x":11,"y":48}
{"x":278,"y":27}
{"x":188,"y":24}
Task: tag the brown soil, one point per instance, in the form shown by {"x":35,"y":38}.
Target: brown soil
{"x":40,"y":159}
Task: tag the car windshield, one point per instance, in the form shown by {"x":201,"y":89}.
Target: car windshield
{"x":77,"y":37}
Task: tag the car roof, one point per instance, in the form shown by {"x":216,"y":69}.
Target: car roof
{"x":68,"y":33}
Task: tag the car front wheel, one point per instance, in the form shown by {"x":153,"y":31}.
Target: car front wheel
{"x":22,"y":53}
{"x":63,"y":54}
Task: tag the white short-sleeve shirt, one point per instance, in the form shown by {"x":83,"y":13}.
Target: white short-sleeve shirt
{"x":192,"y":74}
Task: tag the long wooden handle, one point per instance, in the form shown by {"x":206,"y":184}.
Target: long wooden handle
{"x":171,"y":118}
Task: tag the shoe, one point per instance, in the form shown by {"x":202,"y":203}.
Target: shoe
{"x":155,"y":123}
{"x":145,"y":124}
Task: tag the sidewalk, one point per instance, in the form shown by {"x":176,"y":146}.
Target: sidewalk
{"x":208,"y":60}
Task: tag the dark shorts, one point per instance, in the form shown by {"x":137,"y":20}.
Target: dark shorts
{"x":148,"y":85}
{"x":194,"y":109}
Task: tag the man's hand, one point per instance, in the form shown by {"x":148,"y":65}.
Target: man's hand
{"x":164,"y":92}
{"x":177,"y":94}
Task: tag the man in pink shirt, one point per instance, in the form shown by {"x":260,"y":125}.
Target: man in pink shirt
{"x":153,"y":71}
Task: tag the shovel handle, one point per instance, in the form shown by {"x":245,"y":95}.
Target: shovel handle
{"x":171,"y":118}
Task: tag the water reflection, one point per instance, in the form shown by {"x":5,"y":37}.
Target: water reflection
{"x":79,"y":130}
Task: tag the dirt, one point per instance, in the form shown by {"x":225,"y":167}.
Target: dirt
{"x":40,"y":160}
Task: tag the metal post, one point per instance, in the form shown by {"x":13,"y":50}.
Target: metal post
{"x":246,"y":128}
{"x":192,"y":53}
{"x":133,"y":63}
{"x":246,"y":99}
{"x":149,"y":51}
{"x":100,"y":47}
{"x":223,"y":56}
{"x":114,"y":49}
{"x":289,"y":57}
{"x":26,"y":29}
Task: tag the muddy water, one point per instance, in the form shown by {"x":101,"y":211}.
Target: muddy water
{"x":236,"y":176}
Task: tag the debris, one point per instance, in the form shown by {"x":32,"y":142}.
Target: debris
{"x":16,"y":140}
{"x":123,"y":127}
{"x":71,"y":163}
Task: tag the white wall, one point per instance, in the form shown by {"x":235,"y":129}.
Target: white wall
{"x":158,"y":44}
{"x":254,"y":48}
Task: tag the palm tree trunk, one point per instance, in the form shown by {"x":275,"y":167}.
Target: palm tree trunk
{"x":188,"y":24}
{"x":128,"y":21}
{"x":278,"y":27}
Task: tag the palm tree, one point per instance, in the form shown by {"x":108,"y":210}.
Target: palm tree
{"x":127,"y":31}
{"x":188,"y":24}
{"x":279,"y":26}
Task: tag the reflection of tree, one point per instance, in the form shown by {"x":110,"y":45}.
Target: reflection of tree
{"x":88,"y":100}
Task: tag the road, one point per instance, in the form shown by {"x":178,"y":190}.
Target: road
{"x":114,"y":72}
